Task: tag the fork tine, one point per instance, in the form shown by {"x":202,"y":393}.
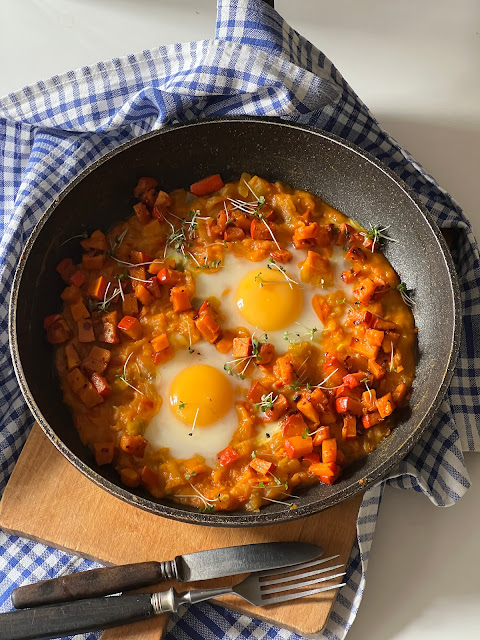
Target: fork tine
{"x":301,"y":594}
{"x":289,"y":587}
{"x":301,"y":575}
{"x":294,"y":567}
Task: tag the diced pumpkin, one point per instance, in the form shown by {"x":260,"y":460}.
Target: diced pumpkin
{"x":143,"y":295}
{"x":364,"y":349}
{"x":149,"y":478}
{"x":71,"y":294}
{"x":97,"y":288}
{"x":101,"y":385}
{"x":266,"y":353}
{"x":349,"y":429}
{"x":97,"y":360}
{"x":140,"y":257}
{"x":399,"y":393}
{"x":224,"y":344}
{"x":384,"y":325}
{"x":232,"y":234}
{"x":371,"y":419}
{"x":355,"y":254}
{"x":280,"y":406}
{"x":365,"y":291}
{"x":327,"y":472}
{"x":281,"y":255}
{"x":284,"y":371}
{"x":311,"y":458}
{"x":144,"y":185}
{"x":385,"y":405}
{"x":376,"y":369}
{"x":316,"y":270}
{"x":85,"y":331}
{"x":129,"y":304}
{"x":306,"y":407}
{"x":180,"y":299}
{"x":329,"y":450}
{"x":321,"y":307}
{"x":353,"y":380}
{"x":79,"y":311}
{"x":58,"y":331}
{"x":260,"y":230}
{"x":96,"y":242}
{"x":82,"y":386}
{"x":369,"y":399}
{"x":160,"y":343}
{"x":294,"y":425}
{"x":93,"y":260}
{"x":298,"y":446}
{"x":142,"y":213}
{"x":322,"y":434}
{"x":103,"y":452}
{"x":256,"y":392}
{"x":153,"y":287}
{"x":131,"y":327}
{"x":261,"y":466}
{"x":306,"y":235}
{"x":109,"y":333}
{"x":130,"y":477}
{"x":207,"y":324}
{"x":374,"y":337}
{"x":134,"y":445}
{"x":318,"y":398}
{"x":242,"y":347}
{"x":71,"y":356}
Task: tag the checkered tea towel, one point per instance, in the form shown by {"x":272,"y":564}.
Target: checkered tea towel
{"x":255,"y":65}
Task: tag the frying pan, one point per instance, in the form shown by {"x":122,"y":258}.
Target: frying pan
{"x":319,"y":162}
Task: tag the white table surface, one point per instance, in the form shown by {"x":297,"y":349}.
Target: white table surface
{"x":417,"y":66}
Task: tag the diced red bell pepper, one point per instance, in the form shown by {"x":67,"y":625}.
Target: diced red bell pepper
{"x":131,"y":327}
{"x":371,"y":419}
{"x":168,"y":276}
{"x":227,"y":456}
{"x":348,"y":405}
{"x":261,"y":466}
{"x":312,"y":458}
{"x":294,"y":425}
{"x":207,"y":185}
{"x":77,"y":279}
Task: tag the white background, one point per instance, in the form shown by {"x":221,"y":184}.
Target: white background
{"x":416,"y":64}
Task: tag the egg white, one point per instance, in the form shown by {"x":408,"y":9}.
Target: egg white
{"x":165,"y":430}
{"x":223,"y":285}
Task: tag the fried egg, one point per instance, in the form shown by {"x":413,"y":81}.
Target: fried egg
{"x":268,"y":299}
{"x":197,"y":415}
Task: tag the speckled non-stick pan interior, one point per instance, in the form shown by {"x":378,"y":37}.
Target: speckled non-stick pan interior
{"x":308,"y":159}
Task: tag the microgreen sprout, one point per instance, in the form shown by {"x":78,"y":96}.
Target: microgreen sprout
{"x":120,"y":289}
{"x":124,"y":378}
{"x":295,"y":386}
{"x":190,"y":475}
{"x":104,"y":304}
{"x":253,"y":455}
{"x":118,"y":241}
{"x":194,"y":421}
{"x":83,"y":235}
{"x":406,"y":296}
{"x":376,"y":233}
{"x":266,"y":403}
{"x":274,"y":265}
{"x":391,"y":367}
{"x":182,"y":405}
{"x":208,"y":503}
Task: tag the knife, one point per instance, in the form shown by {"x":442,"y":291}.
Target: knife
{"x":202,"y":565}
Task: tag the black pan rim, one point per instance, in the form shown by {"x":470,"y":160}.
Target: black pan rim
{"x":244,"y":519}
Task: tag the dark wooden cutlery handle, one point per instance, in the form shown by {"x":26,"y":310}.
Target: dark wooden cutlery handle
{"x":88,"y":584}
{"x":59,"y":620}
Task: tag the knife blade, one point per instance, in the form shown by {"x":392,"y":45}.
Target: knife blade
{"x":201,"y":565}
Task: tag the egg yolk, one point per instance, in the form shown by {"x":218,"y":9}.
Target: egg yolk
{"x":200,"y":395}
{"x":267,"y":300}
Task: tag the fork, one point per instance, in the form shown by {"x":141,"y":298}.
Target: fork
{"x":261,"y":589}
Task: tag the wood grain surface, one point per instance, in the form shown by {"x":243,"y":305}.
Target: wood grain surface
{"x":48,"y":500}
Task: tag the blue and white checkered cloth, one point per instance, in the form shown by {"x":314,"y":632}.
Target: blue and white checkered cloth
{"x":256,"y":65}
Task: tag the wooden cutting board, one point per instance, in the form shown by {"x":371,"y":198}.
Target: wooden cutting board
{"x":48,"y":500}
